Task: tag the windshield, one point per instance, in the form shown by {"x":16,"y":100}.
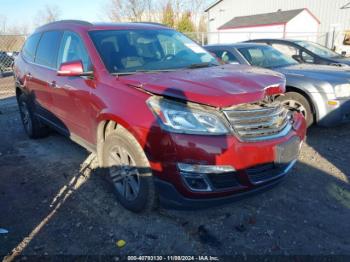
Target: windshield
{"x":318,"y":49}
{"x":266,"y":56}
{"x":129,"y":51}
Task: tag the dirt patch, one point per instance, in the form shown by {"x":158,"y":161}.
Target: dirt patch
{"x":52,"y":202}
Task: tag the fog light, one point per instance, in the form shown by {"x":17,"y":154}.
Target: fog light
{"x":204,"y":169}
{"x":195,"y":176}
{"x":196,"y":182}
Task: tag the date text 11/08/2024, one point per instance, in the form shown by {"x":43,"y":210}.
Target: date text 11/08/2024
{"x":173,"y":258}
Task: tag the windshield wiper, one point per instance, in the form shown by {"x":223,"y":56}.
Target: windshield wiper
{"x":201,"y":65}
{"x":155,"y":70}
{"x":142,"y":71}
{"x":122,"y":73}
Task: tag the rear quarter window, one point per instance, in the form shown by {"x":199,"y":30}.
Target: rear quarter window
{"x":29,"y":48}
{"x":47,"y":51}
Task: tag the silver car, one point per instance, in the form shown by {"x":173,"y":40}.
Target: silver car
{"x":321,"y":93}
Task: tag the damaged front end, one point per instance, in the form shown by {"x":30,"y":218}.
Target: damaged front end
{"x":263,"y":120}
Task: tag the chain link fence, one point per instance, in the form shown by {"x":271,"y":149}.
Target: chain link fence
{"x":10,"y":45}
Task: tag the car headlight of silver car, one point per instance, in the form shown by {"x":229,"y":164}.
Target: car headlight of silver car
{"x":184,"y":118}
{"x":342,"y":90}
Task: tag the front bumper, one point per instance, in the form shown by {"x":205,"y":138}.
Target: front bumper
{"x":336,"y":115}
{"x":256,"y":165}
{"x":170,"y":197}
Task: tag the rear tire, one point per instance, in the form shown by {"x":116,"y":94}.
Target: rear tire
{"x":128,"y":170}
{"x":31,"y":123}
{"x":298,"y":103}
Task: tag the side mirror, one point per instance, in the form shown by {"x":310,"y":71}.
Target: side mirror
{"x":72,"y":68}
{"x":297,"y":58}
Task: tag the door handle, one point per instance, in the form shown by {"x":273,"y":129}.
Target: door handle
{"x":53,"y":84}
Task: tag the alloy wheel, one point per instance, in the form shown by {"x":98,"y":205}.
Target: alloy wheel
{"x":124,"y":173}
{"x":294,"y":105}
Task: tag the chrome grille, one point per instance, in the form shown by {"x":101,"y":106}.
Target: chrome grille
{"x":259,"y":121}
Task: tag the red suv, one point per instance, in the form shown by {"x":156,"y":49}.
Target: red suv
{"x":167,"y":121}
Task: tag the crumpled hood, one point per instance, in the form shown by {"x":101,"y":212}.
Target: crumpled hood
{"x":318,"y":72}
{"x":219,"y":86}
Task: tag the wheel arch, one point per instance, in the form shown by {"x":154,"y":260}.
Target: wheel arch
{"x":290,"y":88}
{"x":106,"y":124}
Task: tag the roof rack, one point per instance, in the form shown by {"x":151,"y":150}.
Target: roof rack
{"x":150,"y":23}
{"x":79,"y":22}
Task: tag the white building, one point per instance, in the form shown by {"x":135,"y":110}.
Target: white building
{"x":280,"y":24}
{"x":334,"y":15}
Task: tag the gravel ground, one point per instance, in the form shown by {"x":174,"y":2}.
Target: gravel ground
{"x":6,"y":86}
{"x":52,"y":202}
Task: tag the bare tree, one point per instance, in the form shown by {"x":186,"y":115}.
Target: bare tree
{"x":168,"y":16}
{"x":19,"y":29}
{"x":197,"y":7}
{"x":151,"y":10}
{"x":126,"y":10}
{"x":3,"y":23}
{"x":179,"y":9}
{"x":50,"y":13}
{"x":14,"y":29}
{"x":112,"y":11}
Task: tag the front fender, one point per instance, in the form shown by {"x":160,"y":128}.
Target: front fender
{"x":318,"y":93}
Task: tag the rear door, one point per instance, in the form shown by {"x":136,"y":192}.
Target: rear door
{"x":71,"y":95}
{"x":24,"y":65}
{"x":43,"y":71}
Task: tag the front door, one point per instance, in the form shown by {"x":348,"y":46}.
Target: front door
{"x":71,"y":95}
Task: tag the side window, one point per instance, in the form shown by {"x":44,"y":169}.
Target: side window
{"x":73,"y":49}
{"x":29,"y":47}
{"x":226,"y":56}
{"x":286,"y":49}
{"x":46,"y":54}
{"x":254,"y":56}
{"x":307,"y":58}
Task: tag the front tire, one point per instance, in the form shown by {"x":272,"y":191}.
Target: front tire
{"x":128,"y":170}
{"x":32,"y":125}
{"x":298,"y":103}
